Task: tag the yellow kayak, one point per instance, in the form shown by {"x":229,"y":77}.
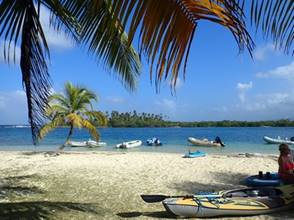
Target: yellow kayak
{"x":242,"y":202}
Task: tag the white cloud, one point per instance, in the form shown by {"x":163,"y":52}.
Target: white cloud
{"x":244,"y":86}
{"x":283,"y":72}
{"x":115,"y":100}
{"x":179,"y":83}
{"x":261,"y":53}
{"x":270,"y":106}
{"x":13,"y":107}
{"x":242,"y":89}
{"x":166,"y":104}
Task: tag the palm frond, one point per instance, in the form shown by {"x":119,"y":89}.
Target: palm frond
{"x":102,"y":33}
{"x":97,"y":117}
{"x":61,"y":18}
{"x":45,"y":129}
{"x":91,"y":128}
{"x":167,"y":28}
{"x":19,"y":17}
{"x":75,"y":119}
{"x":54,"y":109}
{"x":60,"y":99}
{"x":276,"y":20}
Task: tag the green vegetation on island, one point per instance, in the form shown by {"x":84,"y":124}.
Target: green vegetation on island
{"x":134,"y":119}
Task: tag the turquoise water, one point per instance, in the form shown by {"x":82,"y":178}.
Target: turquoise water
{"x":238,"y":140}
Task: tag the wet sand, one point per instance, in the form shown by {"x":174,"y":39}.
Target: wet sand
{"x":107,"y":185}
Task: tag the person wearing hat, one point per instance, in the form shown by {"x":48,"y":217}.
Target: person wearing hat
{"x":286,"y":164}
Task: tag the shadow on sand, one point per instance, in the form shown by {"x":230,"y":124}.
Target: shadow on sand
{"x":158,"y":214}
{"x":225,"y":181}
{"x":40,"y":209}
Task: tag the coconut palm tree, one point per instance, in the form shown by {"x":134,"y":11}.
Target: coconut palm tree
{"x":73,"y":109}
{"x":20,"y":27}
{"x":166,"y":30}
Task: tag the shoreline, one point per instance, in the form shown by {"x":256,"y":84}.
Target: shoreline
{"x":108,"y":185}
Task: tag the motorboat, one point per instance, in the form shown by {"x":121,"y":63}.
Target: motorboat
{"x":153,"y":142}
{"x":129,"y":144}
{"x":205,"y":142}
{"x":278,"y":140}
{"x":77,"y":143}
{"x":92,"y":143}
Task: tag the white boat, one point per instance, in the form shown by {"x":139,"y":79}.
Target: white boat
{"x":77,"y":143}
{"x":129,"y":144}
{"x":204,"y":142}
{"x":278,"y":140}
{"x":92,"y":143}
{"x":153,"y":142}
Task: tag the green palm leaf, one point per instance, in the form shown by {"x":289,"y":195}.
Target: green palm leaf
{"x":73,"y":109}
{"x":97,"y":116}
{"x":167,"y":28}
{"x":91,"y":128}
{"x":20,"y":18}
{"x":276,"y":20}
{"x":102,"y":33}
{"x":58,"y":121}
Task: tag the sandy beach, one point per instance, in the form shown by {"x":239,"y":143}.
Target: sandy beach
{"x":107,"y":185}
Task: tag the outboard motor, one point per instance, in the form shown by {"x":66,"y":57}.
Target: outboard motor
{"x":219,"y":141}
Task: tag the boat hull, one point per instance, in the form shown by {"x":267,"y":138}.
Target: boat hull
{"x":203,"y":143}
{"x":129,"y":144}
{"x":92,"y":143}
{"x":77,"y":143}
{"x":270,"y":140}
{"x":241,"y":203}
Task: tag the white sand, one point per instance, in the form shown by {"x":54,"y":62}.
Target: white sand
{"x":107,"y":185}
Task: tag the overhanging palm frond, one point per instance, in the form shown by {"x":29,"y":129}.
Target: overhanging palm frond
{"x":167,"y":28}
{"x":103,"y":34}
{"x":19,"y":17}
{"x":61,"y":18}
{"x":276,"y":20}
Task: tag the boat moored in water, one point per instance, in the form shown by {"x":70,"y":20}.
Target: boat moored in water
{"x":129,"y":144}
{"x":205,"y":142}
{"x":153,"y":142}
{"x":77,"y":143}
{"x":92,"y":143}
{"x":278,"y":140}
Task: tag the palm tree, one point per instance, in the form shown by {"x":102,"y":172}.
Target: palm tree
{"x":166,"y":29}
{"x":73,"y":109}
{"x":87,"y":22}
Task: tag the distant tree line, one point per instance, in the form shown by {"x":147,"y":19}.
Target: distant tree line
{"x":134,"y":119}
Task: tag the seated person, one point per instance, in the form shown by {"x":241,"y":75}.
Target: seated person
{"x":286,"y":165}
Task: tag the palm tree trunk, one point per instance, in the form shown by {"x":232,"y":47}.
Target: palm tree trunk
{"x":68,"y":137}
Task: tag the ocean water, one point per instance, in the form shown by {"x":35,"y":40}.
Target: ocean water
{"x":237,"y":140}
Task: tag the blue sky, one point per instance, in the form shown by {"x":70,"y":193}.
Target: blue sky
{"x":220,"y":83}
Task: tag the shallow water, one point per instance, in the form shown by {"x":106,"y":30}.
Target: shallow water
{"x":238,"y":140}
